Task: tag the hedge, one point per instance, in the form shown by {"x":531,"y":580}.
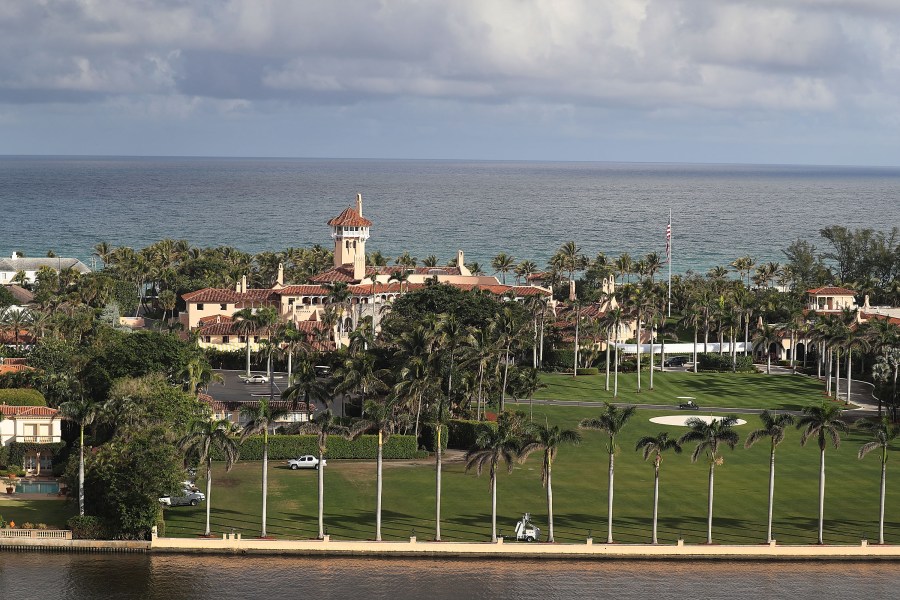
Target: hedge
{"x":463,"y":433}
{"x":588,"y":371}
{"x":723,"y":363}
{"x":22,"y":397}
{"x":559,"y":359}
{"x":284,"y":447}
{"x":87,"y":528}
{"x":428,"y":437}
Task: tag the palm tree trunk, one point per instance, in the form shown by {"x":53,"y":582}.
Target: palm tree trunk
{"x":637,"y":347}
{"x":505,"y":374}
{"x":541,"y":350}
{"x":706,"y":338}
{"x":651,"y":359}
{"x":290,"y":366}
{"x":709,"y":508}
{"x":438,"y":464}
{"x":493,"y":504}
{"x":378,"y":484}
{"x":607,"y":358}
{"x":609,"y":498}
{"x":248,"y":354}
{"x":828,"y":372}
{"x":616,"y":373}
{"x":821,"y":494}
{"x":655,"y":497}
{"x":550,"y":500}
{"x":418,"y":417}
{"x":81,"y":473}
{"x":747,"y":335}
{"x":208,"y":491}
{"x":265,"y":480}
{"x":662,"y":352}
{"x":768,"y":363}
{"x":695,"y":348}
{"x":849,"y":369}
{"x":837,"y":374}
{"x":577,"y":323}
{"x":534,"y":349}
{"x":771,"y":492}
{"x":480,"y":387}
{"x":321,"y":470}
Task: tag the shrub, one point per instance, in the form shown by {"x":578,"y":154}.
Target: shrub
{"x":17,"y":451}
{"x":284,"y":447}
{"x":588,"y":371}
{"x":462,"y":433}
{"x":428,"y":436}
{"x":722,"y":363}
{"x":22,"y":397}
{"x":86,"y":528}
{"x":27,"y":525}
{"x":559,"y":359}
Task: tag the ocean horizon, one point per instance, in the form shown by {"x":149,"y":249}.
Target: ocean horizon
{"x":68,"y":204}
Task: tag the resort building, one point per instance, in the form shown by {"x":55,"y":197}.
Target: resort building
{"x":10,"y":267}
{"x":370,"y":292}
{"x":830,"y":299}
{"x":34,"y":426}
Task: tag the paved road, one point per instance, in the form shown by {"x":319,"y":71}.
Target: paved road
{"x":234,"y":389}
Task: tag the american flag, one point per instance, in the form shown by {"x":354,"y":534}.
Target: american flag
{"x":669,"y":241}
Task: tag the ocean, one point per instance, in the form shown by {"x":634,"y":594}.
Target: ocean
{"x":527,"y":209}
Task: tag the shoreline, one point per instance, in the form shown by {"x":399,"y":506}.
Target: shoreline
{"x":233,"y":544}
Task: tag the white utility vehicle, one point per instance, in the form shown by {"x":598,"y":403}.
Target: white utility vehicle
{"x":307,"y":461}
{"x":526,"y":531}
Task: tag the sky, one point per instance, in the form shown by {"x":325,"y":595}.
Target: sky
{"x":752,"y":81}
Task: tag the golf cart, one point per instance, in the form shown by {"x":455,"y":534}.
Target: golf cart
{"x":688,"y":405}
{"x":525,"y":529}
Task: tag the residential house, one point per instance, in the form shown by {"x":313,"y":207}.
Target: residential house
{"x":33,"y":425}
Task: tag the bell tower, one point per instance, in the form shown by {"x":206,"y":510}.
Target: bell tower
{"x":350,"y":230}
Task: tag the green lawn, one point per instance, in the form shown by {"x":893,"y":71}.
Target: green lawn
{"x":579,"y":490}
{"x":54,"y":513}
{"x":727,"y":390}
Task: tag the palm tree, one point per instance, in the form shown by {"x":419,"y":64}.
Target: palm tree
{"x":547,"y":439}
{"x":774,"y":425}
{"x":824,"y":422}
{"x":204,"y":437}
{"x":323,"y":425}
{"x":245,"y":324}
{"x":491,"y":447}
{"x":503,"y":263}
{"x":259,"y":419}
{"x":883,"y":433}
{"x":764,"y":338}
{"x":612,"y":421}
{"x":380,"y":416}
{"x":305,"y":386}
{"x":505,"y":329}
{"x":656,"y":445}
{"x":82,"y":411}
{"x":709,"y":437}
{"x":613,"y":321}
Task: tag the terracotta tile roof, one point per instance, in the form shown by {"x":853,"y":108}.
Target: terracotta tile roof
{"x":20,"y":294}
{"x":215,"y":319}
{"x":831,"y":291}
{"x":344,"y":273}
{"x":337,"y":274}
{"x":27,"y":411}
{"x":9,"y":337}
{"x":350,"y":218}
{"x":236,"y":405}
{"x":892,"y":320}
{"x":303,"y":290}
{"x":14,"y":368}
{"x":365,"y":289}
{"x":226,"y":296}
{"x":499,"y":289}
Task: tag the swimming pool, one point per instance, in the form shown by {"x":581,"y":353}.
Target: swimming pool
{"x":38,"y":487}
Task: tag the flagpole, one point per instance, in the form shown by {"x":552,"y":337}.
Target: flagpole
{"x":669,"y":245}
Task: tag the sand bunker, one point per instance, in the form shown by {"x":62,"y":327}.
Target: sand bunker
{"x":680,"y":420}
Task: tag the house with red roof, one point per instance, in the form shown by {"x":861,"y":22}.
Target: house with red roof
{"x":830,"y":298}
{"x":33,"y":425}
{"x":371,"y":290}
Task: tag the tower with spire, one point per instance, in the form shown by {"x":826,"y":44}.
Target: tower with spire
{"x":350,"y":230}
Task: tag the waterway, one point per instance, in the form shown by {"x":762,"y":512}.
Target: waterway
{"x":43,"y":576}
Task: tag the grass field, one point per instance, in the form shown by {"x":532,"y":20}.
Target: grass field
{"x":54,"y":513}
{"x":579,"y":490}
{"x":726,"y":390}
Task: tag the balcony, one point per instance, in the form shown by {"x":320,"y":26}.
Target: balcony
{"x":38,"y":439}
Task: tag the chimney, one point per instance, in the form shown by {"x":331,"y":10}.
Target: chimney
{"x":460,"y":258}
{"x":359,"y":204}
{"x":280,"y":278}
{"x":243,"y":283}
{"x":866,"y":302}
{"x":237,"y":287}
{"x":571,"y":290}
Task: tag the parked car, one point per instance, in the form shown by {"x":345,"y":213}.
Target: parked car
{"x":307,"y":461}
{"x":689,"y":405}
{"x":676,"y":361}
{"x":185,"y":499}
{"x":256,"y":379}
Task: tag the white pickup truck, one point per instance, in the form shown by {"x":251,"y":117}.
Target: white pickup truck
{"x":307,"y":461}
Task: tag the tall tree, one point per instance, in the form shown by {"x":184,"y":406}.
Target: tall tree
{"x":547,"y":439}
{"x":824,"y":423}
{"x":82,"y":411}
{"x":774,"y":425}
{"x":204,"y":438}
{"x":883,"y":432}
{"x":710,"y":437}
{"x":656,"y":445}
{"x":493,"y":445}
{"x":381,"y":416}
{"x":258,"y":420}
{"x":612,"y":421}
